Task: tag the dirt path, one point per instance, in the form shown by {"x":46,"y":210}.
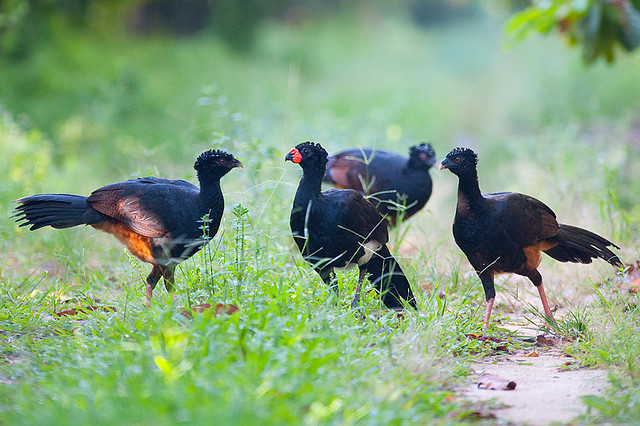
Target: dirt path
{"x":546,"y":391}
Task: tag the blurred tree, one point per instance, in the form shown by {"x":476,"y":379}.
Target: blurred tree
{"x":237,"y":20}
{"x":180,"y":17}
{"x":13,"y":27}
{"x":598,"y":25}
{"x":430,"y":12}
{"x":23,"y":23}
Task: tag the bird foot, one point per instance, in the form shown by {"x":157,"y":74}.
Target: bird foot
{"x":487,"y":315}
{"x":356,"y":300}
{"x":149,"y":293}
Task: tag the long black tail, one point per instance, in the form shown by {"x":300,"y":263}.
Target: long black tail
{"x":389,"y":279}
{"x":55,"y":210}
{"x":581,"y":246}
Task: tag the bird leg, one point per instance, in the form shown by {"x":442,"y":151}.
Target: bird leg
{"x":152,"y":280}
{"x":545,"y":304}
{"x":356,"y":296}
{"x":536,"y":279}
{"x":167,"y":274}
{"x":487,"y":314}
{"x":489,"y":292}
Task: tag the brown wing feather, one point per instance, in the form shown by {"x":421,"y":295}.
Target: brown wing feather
{"x":348,"y":170}
{"x":338,"y":171}
{"x":527,"y":221}
{"x":345,"y":172}
{"x":126,"y":207}
{"x":152,"y":207}
{"x":362,"y":218}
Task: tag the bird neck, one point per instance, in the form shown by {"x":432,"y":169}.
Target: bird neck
{"x":210,"y":204}
{"x":469,"y":189}
{"x":310,"y":185}
{"x":413,"y":164}
{"x":210,"y":194}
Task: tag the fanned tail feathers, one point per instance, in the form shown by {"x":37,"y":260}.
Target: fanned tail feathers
{"x":581,"y":246}
{"x":55,"y":210}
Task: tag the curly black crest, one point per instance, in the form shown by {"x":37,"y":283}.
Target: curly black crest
{"x":463,"y":152}
{"x":314,"y":147}
{"x":210,"y":157}
{"x":427,"y":148}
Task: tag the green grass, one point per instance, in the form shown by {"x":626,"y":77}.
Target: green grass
{"x":89,"y":109}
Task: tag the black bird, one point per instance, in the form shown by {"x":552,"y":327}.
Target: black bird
{"x":397,"y":185}
{"x":159,"y":220}
{"x":505,"y":232}
{"x":337,"y":228}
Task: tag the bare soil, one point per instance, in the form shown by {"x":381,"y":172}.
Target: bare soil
{"x":545,"y":393}
{"x":549,"y":389}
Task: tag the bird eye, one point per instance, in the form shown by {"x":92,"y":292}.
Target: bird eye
{"x":305,"y":151}
{"x":423,"y":156}
{"x":457,"y":159}
{"x":222,"y":161}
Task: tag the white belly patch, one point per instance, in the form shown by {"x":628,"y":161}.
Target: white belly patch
{"x":370,"y":247}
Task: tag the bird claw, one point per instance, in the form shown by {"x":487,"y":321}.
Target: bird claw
{"x":355,"y":301}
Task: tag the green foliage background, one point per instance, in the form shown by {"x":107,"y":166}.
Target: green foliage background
{"x":87,"y":102}
{"x":600,"y":27}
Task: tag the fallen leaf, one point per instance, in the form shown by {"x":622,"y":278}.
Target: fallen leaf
{"x":201,"y":307}
{"x":533,"y":354}
{"x":67,"y":313}
{"x":75,"y":311}
{"x":631,"y":277}
{"x":219,"y":309}
{"x":486,"y":338}
{"x":493,"y":382}
{"x":550,"y":341}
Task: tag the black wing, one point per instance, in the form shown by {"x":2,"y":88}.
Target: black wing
{"x":525,"y":219}
{"x":152,"y":207}
{"x":364,"y":170}
{"x":360,"y":218}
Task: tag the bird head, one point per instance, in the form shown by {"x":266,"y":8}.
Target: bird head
{"x":308,"y":154}
{"x":422,"y":156}
{"x":460,"y":161}
{"x":215,"y":163}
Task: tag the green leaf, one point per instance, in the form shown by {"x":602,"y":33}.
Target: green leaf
{"x":598,"y":402}
{"x":629,"y":29}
